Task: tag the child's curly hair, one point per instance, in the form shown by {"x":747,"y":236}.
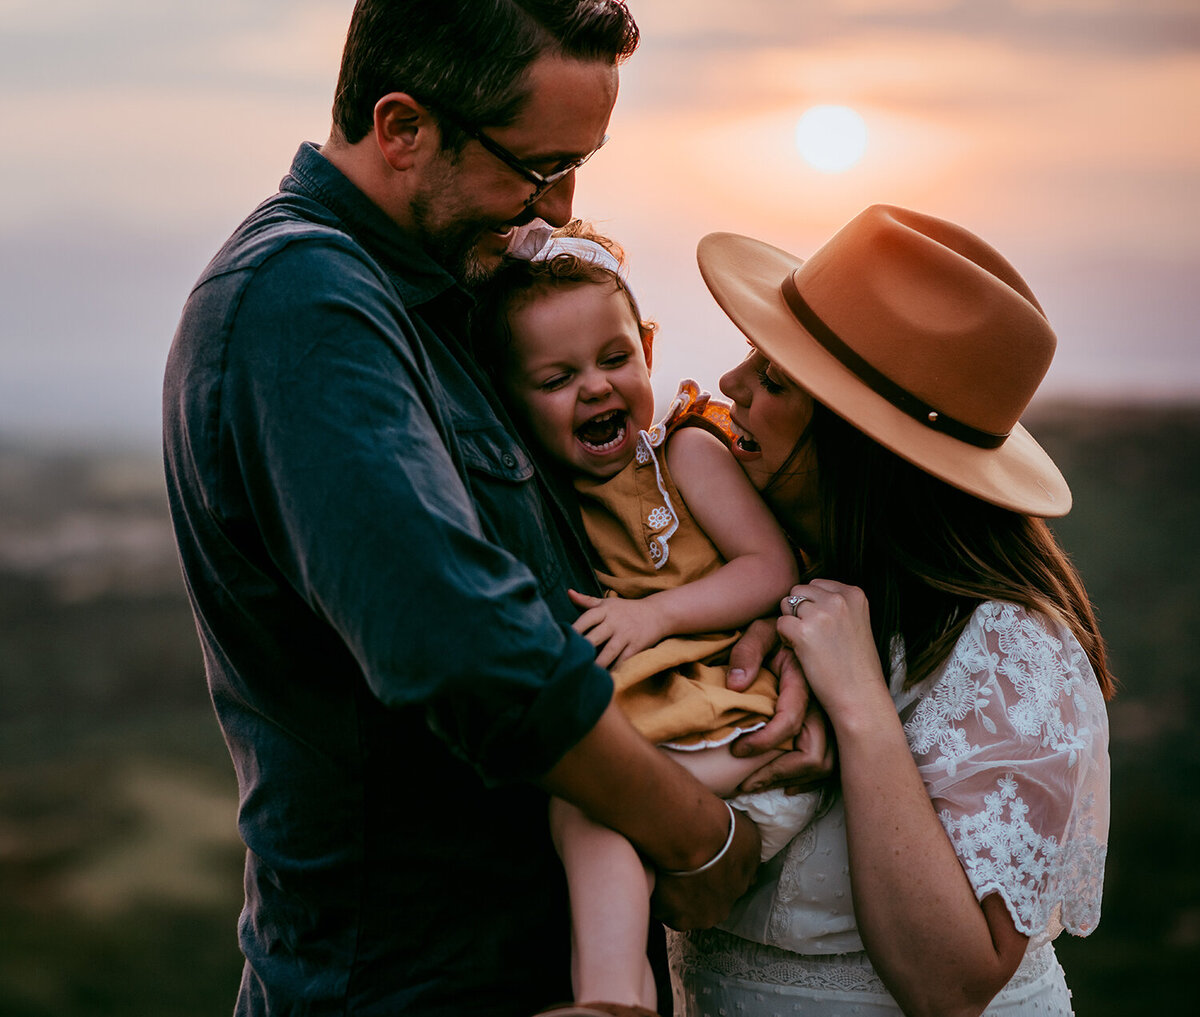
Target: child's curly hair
{"x":518,"y":279}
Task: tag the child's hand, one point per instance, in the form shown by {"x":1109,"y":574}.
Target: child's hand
{"x":618,"y":628}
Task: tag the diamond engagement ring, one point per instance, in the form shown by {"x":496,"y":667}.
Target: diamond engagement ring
{"x":793,"y":603}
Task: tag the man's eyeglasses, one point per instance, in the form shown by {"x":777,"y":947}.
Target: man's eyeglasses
{"x":541,"y":182}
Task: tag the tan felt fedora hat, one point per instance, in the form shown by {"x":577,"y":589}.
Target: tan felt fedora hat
{"x":915,"y":331}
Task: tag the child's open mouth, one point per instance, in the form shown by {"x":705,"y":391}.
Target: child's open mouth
{"x":747,"y":444}
{"x":603,"y":433}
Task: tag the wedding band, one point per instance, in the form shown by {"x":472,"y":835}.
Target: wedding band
{"x":793,"y":603}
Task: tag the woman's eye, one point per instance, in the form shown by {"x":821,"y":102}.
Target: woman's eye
{"x":769,"y":384}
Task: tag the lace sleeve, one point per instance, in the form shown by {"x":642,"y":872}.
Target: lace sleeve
{"x":1011,"y":739}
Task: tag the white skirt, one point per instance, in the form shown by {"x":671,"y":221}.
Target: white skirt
{"x":716,"y":974}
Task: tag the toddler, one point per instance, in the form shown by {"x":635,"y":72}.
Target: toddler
{"x":689,"y":552}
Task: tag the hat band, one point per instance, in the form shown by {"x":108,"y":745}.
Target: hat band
{"x":878,"y":382}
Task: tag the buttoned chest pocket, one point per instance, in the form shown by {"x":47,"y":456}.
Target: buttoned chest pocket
{"x":508,"y":498}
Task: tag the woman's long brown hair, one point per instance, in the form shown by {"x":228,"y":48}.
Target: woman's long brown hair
{"x":927,"y":554}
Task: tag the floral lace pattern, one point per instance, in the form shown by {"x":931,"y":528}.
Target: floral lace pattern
{"x":1011,"y":740}
{"x":789,"y":887}
{"x":714,"y":952}
{"x":731,"y":958}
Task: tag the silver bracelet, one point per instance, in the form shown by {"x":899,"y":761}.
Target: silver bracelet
{"x":715,"y":858}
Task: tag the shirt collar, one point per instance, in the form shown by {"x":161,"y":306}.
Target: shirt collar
{"x":417,"y":276}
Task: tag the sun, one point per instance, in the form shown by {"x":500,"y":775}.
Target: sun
{"x":831,"y":139}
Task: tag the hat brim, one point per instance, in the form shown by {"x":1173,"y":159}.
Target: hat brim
{"x":744,"y":276}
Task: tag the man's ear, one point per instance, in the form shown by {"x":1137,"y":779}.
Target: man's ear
{"x":403,"y":128}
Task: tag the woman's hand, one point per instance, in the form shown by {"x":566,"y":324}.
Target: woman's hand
{"x":828,"y":626}
{"x":618,"y":628}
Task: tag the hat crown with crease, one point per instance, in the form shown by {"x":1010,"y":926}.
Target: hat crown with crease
{"x":917,"y":332}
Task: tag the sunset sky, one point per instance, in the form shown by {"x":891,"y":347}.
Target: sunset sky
{"x":1066,"y":132}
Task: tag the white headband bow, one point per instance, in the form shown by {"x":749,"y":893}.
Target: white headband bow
{"x":537,"y":243}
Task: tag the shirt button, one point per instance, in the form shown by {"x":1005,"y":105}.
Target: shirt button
{"x":509,"y":460}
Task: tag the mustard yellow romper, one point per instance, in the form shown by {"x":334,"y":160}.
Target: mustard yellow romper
{"x":673,"y":692}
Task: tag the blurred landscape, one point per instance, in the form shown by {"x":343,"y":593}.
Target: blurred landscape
{"x":120,"y":868}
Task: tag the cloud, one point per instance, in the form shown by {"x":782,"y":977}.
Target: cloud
{"x":160,"y":113}
{"x":107,"y":43}
{"x":173,"y":161}
{"x":142,"y":132}
{"x":1108,"y":25}
{"x":1085,"y":147}
{"x":309,"y":40}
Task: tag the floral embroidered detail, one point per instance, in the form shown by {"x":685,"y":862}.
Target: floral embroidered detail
{"x":729,"y":957}
{"x":1011,"y":740}
{"x":662,"y":520}
{"x":699,"y":958}
{"x":790,"y":884}
{"x":659,"y":518}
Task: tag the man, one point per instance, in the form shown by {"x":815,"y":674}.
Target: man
{"x":376,"y":569}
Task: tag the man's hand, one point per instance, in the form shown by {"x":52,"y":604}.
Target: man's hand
{"x":618,"y":628}
{"x":701,"y":900}
{"x":798,"y":717}
{"x":811,"y":763}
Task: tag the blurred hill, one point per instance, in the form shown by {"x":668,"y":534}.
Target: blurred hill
{"x":120,"y":867}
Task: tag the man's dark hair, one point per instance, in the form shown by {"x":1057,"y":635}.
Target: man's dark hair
{"x":466,"y":57}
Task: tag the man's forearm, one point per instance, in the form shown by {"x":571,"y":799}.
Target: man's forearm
{"x":621,"y":780}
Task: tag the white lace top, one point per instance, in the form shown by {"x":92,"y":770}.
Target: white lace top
{"x":1010,"y":737}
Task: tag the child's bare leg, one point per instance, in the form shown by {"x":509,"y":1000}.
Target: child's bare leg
{"x":609,"y":889}
{"x":778,"y":815}
{"x":718,"y":769}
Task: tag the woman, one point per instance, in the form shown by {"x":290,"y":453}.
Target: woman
{"x":943,"y":631}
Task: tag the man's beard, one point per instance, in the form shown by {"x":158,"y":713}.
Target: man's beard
{"x":451,"y":241}
{"x":452,"y":246}
{"x":470,"y":271}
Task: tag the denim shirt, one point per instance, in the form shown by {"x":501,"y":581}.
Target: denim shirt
{"x":377,"y":573}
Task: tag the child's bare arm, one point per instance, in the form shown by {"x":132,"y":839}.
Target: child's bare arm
{"x":759,"y":566}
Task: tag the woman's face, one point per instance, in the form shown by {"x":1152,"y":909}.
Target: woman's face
{"x":770,"y":412}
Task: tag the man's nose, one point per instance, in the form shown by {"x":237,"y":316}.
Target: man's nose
{"x":555,"y":205}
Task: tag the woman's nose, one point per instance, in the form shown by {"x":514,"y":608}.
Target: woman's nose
{"x":733,"y":384}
